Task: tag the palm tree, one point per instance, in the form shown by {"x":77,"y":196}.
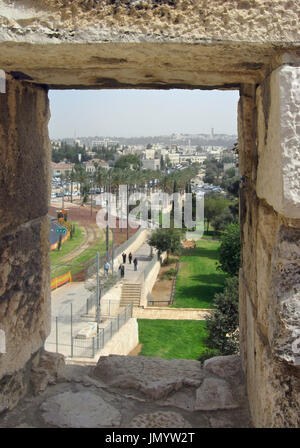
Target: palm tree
{"x":82,"y":177}
{"x":72,"y":178}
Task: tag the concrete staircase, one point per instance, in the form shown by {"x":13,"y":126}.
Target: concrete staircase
{"x":131,"y":292}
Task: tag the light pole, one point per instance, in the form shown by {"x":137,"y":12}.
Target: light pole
{"x":107,"y":222}
{"x":92,"y":197}
{"x":98,"y":296}
{"x":127,"y":213}
{"x":63,"y":196}
{"x":112,"y":251}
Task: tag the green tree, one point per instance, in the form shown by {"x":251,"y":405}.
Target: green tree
{"x":222,"y":325}
{"x":128,"y":161}
{"x":165,"y":240}
{"x":214,"y":204}
{"x":230,"y":249}
{"x":221,"y":221}
{"x":168,"y":161}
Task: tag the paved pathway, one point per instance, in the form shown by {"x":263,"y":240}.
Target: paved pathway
{"x":77,"y":295}
{"x":171,"y":313}
{"x":143,"y":256}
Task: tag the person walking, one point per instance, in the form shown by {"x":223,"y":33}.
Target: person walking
{"x":135,"y":262}
{"x":124,"y":257}
{"x":122,"y":270}
{"x":106,"y":268}
{"x":130,"y":257}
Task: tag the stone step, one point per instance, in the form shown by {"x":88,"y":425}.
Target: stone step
{"x":128,"y":293}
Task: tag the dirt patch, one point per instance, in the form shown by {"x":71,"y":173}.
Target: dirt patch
{"x":188,"y":244}
{"x":136,"y":350}
{"x":162,"y":289}
{"x":82,"y":215}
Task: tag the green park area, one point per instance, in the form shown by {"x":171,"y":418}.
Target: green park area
{"x":198,"y":278}
{"x":60,"y":266}
{"x":68,"y":246}
{"x":169,"y":339}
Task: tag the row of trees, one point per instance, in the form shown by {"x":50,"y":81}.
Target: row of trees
{"x":70,"y":153}
{"x":128,"y":172}
{"x":220,"y":211}
{"x":214,"y":174}
{"x":222,"y":325}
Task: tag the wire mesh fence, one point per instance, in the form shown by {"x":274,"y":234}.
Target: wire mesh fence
{"x":89,"y":346}
{"x":74,"y":337}
{"x":83,"y":324}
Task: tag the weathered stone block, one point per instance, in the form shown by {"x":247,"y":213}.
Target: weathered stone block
{"x":24,"y":154}
{"x":285,"y":333}
{"x":47,"y":370}
{"x":278,"y":177}
{"x":80,"y":410}
{"x":24,"y":293}
{"x":154,"y":377}
{"x":159,"y":419}
{"x":273,"y":389}
{"x":223,"y":366}
{"x":214,"y":394}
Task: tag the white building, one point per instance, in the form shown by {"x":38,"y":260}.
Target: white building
{"x":61,"y":168}
{"x":149,"y":154}
{"x":151,"y":164}
{"x":91,"y":165}
{"x":174,"y":158}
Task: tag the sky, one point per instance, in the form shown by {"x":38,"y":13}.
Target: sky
{"x":134,"y":113}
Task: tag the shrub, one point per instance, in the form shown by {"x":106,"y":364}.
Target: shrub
{"x":222,"y":325}
{"x":230,"y":249}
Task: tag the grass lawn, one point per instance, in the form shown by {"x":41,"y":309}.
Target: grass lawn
{"x":79,"y":263}
{"x":169,"y":339}
{"x":68,"y":246}
{"x":198,"y":278}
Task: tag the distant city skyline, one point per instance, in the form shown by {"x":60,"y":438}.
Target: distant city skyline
{"x":136,"y":113}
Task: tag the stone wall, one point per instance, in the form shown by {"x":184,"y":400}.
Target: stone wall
{"x":149,"y":277}
{"x":269,"y":119}
{"x":24,"y":227}
{"x":251,"y":45}
{"x":124,"y":341}
{"x":232,"y":20}
{"x":145,"y":44}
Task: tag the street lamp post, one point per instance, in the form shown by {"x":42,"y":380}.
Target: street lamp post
{"x":107,"y":223}
{"x":63,"y":198}
{"x":127,"y":213}
{"x":92,"y":197}
{"x":112,"y":251}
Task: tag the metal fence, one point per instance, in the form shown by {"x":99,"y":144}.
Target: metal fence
{"x":67,"y":325}
{"x":88,"y":347}
{"x":72,"y":315}
{"x":128,"y":243}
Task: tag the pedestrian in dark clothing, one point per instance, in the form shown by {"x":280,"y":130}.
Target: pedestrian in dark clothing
{"x":122,"y":270}
{"x":135,"y":262}
{"x":130,"y":257}
{"x":124,"y":257}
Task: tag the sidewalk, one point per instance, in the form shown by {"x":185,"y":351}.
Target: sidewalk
{"x":143,"y":257}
